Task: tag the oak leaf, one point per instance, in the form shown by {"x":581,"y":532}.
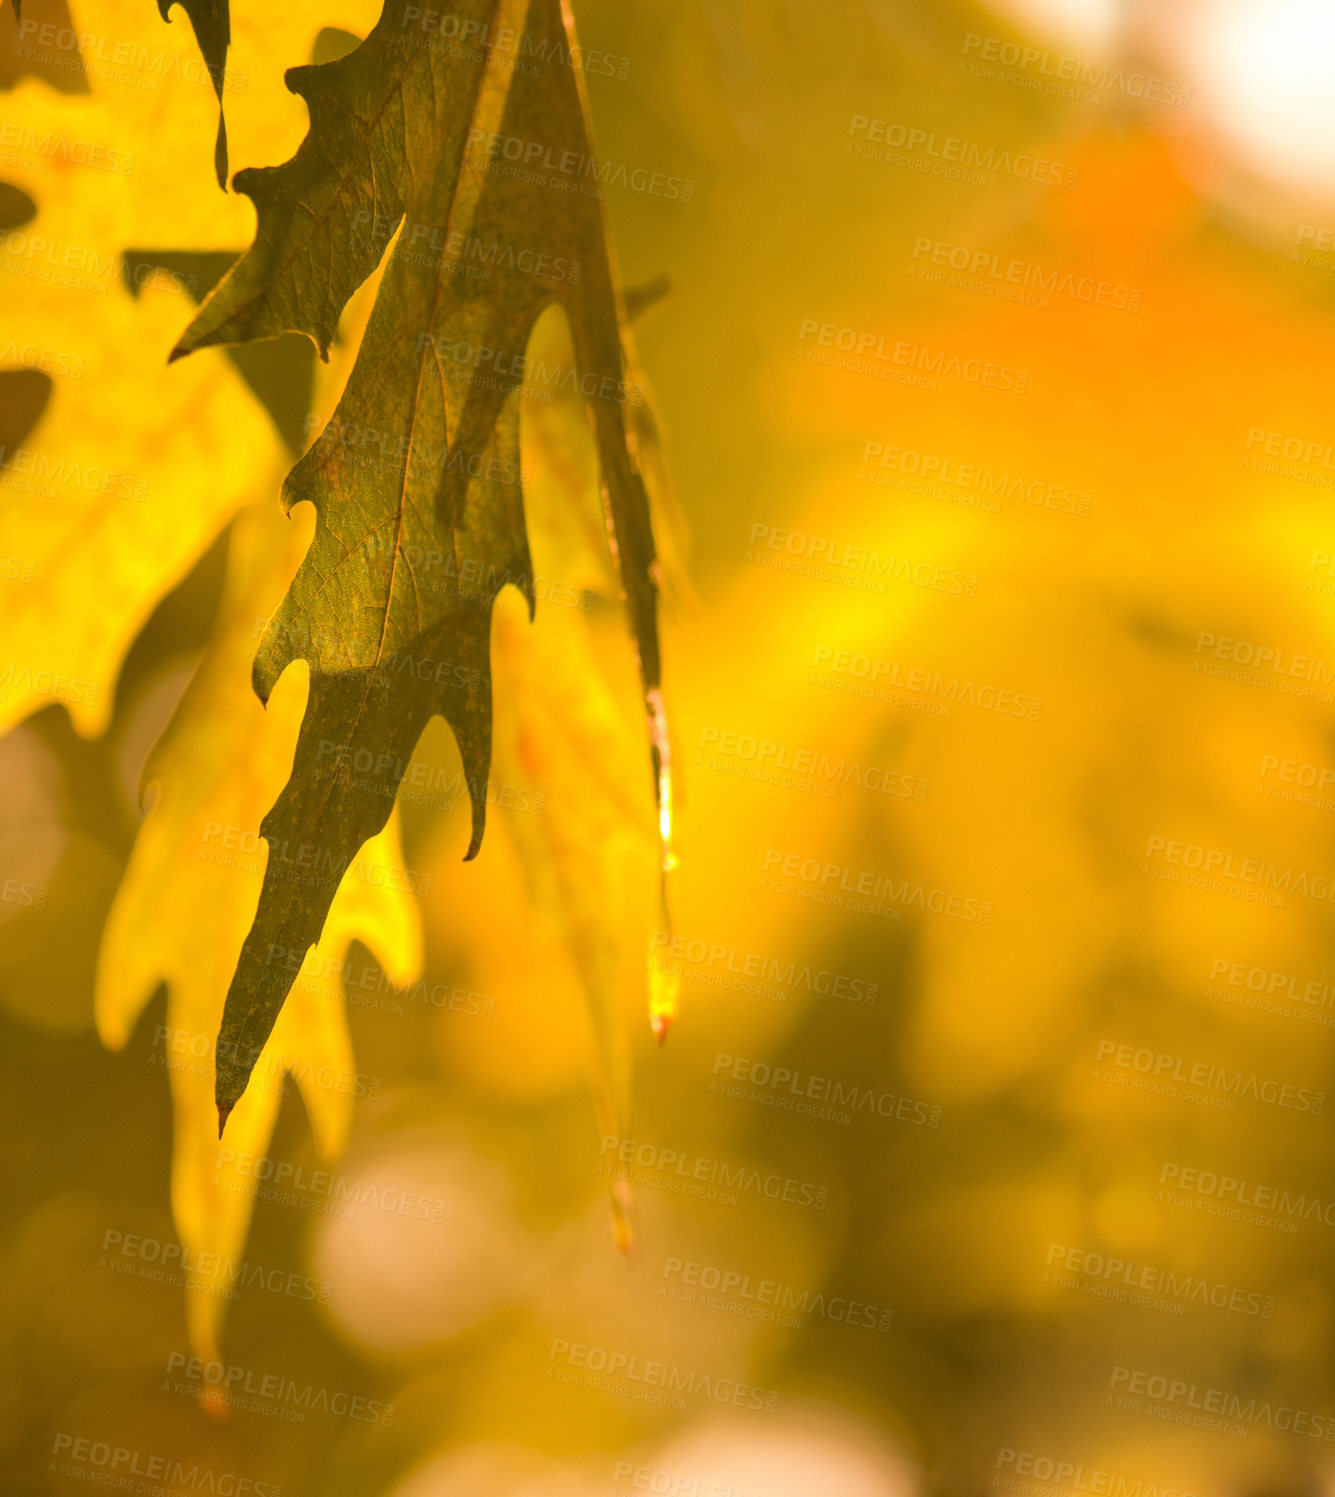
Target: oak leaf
{"x":415,"y":482}
{"x":131,"y":469}
{"x":185,"y":904}
{"x":589,"y":857}
{"x":130,"y":473}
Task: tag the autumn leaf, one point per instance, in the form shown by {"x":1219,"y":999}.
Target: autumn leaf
{"x":90,"y":495}
{"x":573,"y":851}
{"x":589,"y":858}
{"x":116,"y":474}
{"x":187,"y":900}
{"x":129,"y":469}
{"x":415,"y":481}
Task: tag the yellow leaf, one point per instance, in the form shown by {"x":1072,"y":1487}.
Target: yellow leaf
{"x":188,"y":898}
{"x":134,"y":467}
{"x":569,"y":731}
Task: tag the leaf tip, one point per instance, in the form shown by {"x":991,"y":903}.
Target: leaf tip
{"x":623,"y":1229}
{"x":213,"y":1401}
{"x":224,"y":1112}
{"x":479,"y":826}
{"x":639,"y":299}
{"x":663,"y":988}
{"x":220,"y":149}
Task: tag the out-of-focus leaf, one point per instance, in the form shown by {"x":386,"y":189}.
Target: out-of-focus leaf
{"x":18,"y":61}
{"x":134,"y":468}
{"x":188,"y":897}
{"x":110,"y":498}
{"x":590,"y":854}
{"x":280,"y":371}
{"x":407,"y":131}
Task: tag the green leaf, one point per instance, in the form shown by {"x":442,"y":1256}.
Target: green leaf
{"x":415,"y":481}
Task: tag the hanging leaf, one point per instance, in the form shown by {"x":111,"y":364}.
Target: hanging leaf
{"x":189,"y":895}
{"x":420,"y":465}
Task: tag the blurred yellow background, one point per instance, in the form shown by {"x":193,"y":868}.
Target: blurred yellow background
{"x":991,"y":1148}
